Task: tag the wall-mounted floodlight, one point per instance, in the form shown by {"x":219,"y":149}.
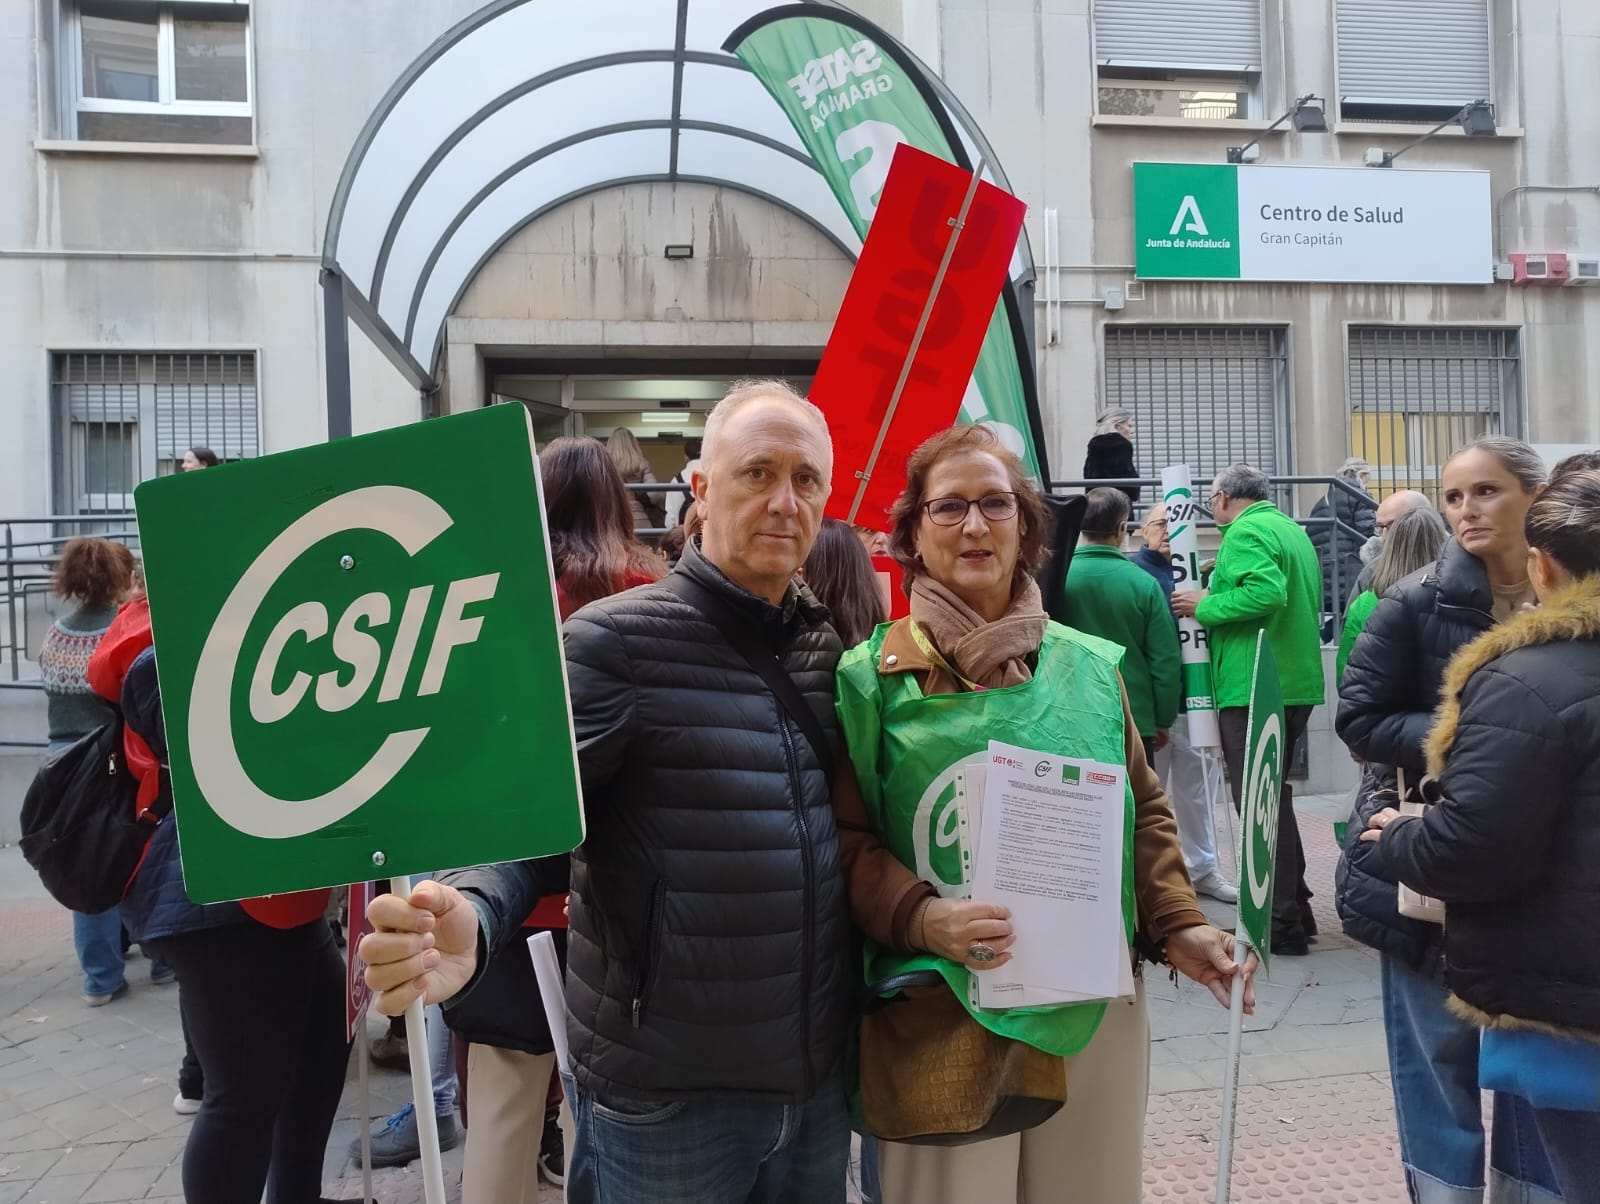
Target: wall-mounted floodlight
{"x":1476,"y":120}
{"x":679,"y":250}
{"x":1308,"y":116}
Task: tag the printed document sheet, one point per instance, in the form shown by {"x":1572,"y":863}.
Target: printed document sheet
{"x":1049,"y":846}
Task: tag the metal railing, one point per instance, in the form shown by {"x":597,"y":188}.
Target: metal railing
{"x":1287,"y":489}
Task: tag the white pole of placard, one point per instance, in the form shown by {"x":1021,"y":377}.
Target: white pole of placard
{"x":366,"y":1114}
{"x":422,"y":1082}
{"x":1183,"y":510}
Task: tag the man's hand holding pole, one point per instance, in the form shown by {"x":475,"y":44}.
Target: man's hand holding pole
{"x":425,"y":947}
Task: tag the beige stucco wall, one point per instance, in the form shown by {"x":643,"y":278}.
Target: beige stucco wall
{"x":101,"y":252}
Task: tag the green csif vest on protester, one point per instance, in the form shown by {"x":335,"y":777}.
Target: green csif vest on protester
{"x":907,"y":750}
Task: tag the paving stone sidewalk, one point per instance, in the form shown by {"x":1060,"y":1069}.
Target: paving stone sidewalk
{"x":86,"y":1093}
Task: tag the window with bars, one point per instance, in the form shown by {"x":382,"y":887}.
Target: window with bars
{"x":1205,"y":396}
{"x":176,"y":71}
{"x":1417,"y":394}
{"x":121,"y":419}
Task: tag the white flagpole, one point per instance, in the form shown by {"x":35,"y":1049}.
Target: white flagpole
{"x":1230,"y":1077}
{"x":422,"y":1083}
{"x":365,"y":1082}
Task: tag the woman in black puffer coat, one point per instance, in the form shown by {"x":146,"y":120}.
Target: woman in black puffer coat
{"x":1512,"y":844}
{"x":1110,"y":455}
{"x":1386,"y":703}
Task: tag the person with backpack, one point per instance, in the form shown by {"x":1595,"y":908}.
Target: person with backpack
{"x":273,"y":1068}
{"x":94,"y":576}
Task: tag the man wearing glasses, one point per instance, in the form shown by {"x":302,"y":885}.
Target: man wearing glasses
{"x":1267,"y":578}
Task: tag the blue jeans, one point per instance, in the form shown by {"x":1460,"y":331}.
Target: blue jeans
{"x":716,"y":1150}
{"x":98,"y":941}
{"x":1433,"y":1068}
{"x":441,"y":1062}
{"x":1572,"y":1139}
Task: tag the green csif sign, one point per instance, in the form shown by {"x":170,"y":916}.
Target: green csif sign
{"x":360,"y":659}
{"x":1259,"y":811}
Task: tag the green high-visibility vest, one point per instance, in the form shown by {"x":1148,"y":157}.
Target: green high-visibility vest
{"x":907,"y":749}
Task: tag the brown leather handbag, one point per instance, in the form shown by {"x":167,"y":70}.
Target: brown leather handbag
{"x":932,"y":1075}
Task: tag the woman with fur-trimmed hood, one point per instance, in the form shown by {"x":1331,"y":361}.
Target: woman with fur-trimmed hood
{"x":1513,"y":845}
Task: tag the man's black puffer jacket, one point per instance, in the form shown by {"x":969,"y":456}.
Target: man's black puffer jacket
{"x":1386,"y":702}
{"x":709,"y":938}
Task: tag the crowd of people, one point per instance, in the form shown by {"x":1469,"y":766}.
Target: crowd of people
{"x":766,"y":762}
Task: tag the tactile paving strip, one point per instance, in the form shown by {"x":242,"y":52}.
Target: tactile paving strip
{"x":1320,"y":1141}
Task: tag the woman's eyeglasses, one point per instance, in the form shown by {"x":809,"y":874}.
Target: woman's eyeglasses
{"x":952,"y":511}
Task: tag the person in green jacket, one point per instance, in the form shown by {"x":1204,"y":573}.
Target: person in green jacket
{"x":1109,"y":596}
{"x":1267,"y":578}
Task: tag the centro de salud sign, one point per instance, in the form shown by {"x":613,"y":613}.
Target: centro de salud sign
{"x":360,"y":659}
{"x":1362,"y":225}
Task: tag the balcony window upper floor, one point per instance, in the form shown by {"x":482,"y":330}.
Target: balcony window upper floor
{"x":179,"y":71}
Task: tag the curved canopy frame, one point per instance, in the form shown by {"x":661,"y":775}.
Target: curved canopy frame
{"x":526,"y":105}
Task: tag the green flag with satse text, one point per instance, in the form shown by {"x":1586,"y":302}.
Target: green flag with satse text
{"x":852,"y":103}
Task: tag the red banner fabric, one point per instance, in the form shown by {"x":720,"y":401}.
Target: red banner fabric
{"x":878,"y":320}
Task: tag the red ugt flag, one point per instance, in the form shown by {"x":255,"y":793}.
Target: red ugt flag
{"x":878,"y":319}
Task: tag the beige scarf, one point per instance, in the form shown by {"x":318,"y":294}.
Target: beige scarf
{"x":990,"y":655}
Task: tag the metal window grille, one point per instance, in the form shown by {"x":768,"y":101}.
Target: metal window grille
{"x":121,"y":419}
{"x":1417,"y":394}
{"x":1205,"y":396}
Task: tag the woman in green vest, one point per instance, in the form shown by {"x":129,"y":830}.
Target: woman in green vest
{"x":977,"y":660}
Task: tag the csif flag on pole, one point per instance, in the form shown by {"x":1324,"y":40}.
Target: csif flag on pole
{"x":853,"y":94}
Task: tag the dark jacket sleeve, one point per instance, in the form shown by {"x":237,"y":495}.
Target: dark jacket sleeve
{"x":599,"y":680}
{"x":141,"y":703}
{"x":1381,"y":718}
{"x":1503,"y":789}
{"x":502,"y":895}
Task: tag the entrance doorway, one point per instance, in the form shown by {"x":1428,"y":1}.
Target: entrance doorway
{"x":665,"y":411}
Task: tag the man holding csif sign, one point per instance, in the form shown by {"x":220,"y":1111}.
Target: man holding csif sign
{"x":709,"y":977}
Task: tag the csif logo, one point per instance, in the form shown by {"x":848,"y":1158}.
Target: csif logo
{"x":1181,"y":511}
{"x":414,"y":521}
{"x":1189,"y":219}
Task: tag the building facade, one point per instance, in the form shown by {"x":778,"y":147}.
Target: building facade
{"x":169,"y":168}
